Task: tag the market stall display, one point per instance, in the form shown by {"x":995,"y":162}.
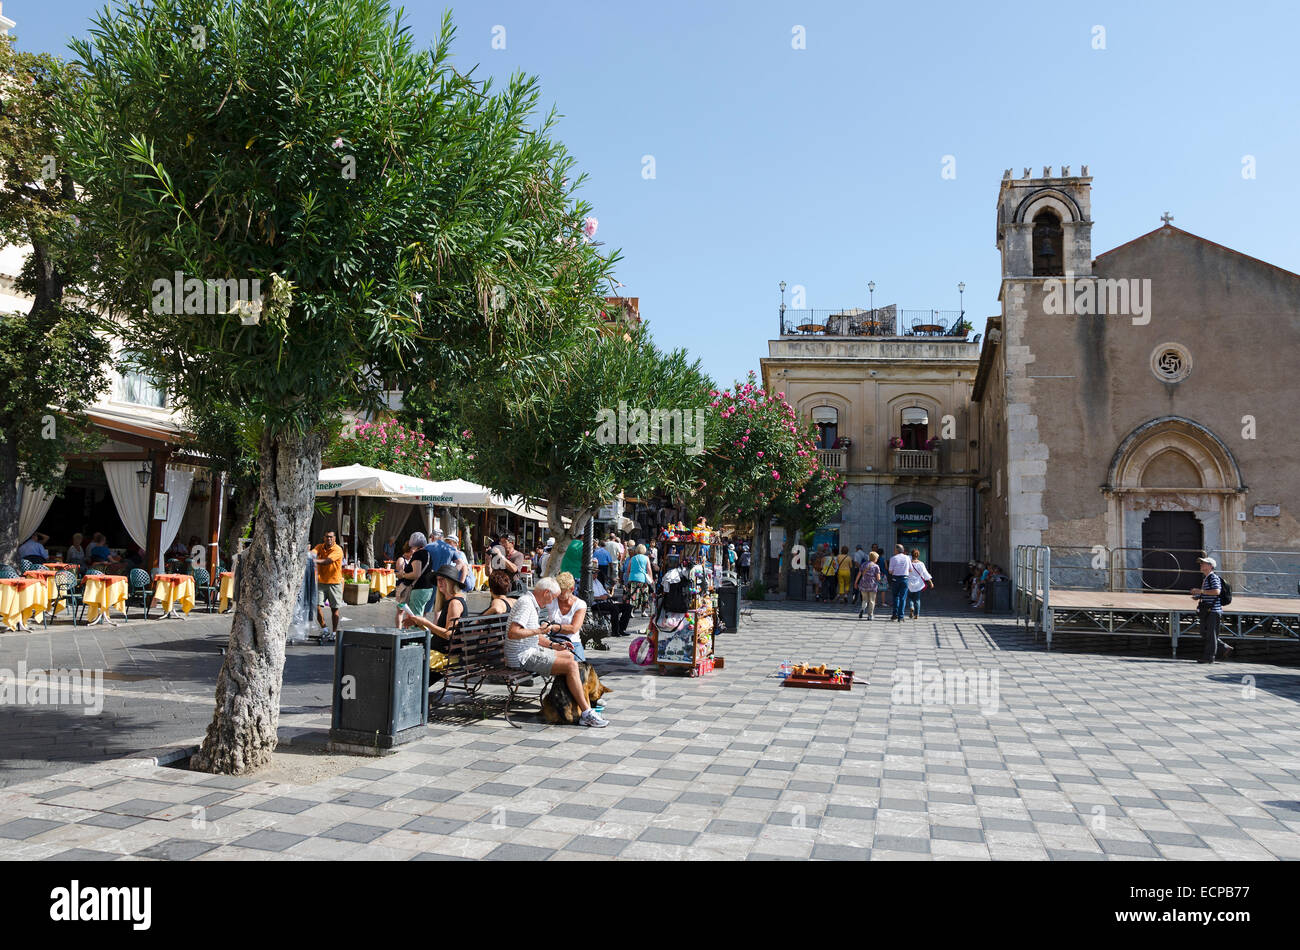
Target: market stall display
{"x":686,"y":612}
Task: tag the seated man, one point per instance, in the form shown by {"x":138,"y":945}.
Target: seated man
{"x":603,"y":603}
{"x":528,"y":648}
{"x":33,"y":549}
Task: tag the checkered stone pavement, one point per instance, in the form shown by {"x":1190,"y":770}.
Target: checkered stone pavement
{"x":1098,"y":750}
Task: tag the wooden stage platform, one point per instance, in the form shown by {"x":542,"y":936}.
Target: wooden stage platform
{"x":1139,"y":614}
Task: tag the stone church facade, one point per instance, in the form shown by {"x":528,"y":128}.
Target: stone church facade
{"x":1141,"y":399}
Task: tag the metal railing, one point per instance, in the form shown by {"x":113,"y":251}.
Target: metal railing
{"x":854,"y":322}
{"x":1158,"y":570}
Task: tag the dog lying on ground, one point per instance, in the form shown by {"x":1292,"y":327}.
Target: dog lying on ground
{"x":558,"y":704}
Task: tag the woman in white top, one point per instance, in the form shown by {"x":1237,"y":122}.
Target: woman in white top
{"x":569,"y":612}
{"x":918,"y":579}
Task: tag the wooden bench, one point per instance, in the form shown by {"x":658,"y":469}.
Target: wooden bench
{"x":477,"y":655}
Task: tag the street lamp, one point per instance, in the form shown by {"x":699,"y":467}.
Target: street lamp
{"x":871,"y":289}
{"x":961,"y":296}
{"x":781,"y":317}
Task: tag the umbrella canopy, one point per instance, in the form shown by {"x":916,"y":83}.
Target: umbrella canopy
{"x":372,"y":483}
{"x":458,"y":493}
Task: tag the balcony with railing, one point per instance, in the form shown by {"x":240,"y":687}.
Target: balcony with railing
{"x":885,"y":322}
{"x":837,"y":460}
{"x":914,"y":461}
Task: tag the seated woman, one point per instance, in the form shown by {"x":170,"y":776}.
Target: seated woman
{"x":76,"y":554}
{"x":453,"y":608}
{"x":99,"y":551}
{"x":528,"y":647}
{"x":603,"y":603}
{"x":568,"y":613}
{"x":499,"y":583}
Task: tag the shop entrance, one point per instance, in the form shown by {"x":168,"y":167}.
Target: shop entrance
{"x":912,"y":524}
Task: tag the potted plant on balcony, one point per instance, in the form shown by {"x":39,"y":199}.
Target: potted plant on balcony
{"x":932,"y":443}
{"x":842,"y":442}
{"x":895,"y":442}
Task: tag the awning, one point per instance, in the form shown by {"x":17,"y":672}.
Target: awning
{"x":371,"y":483}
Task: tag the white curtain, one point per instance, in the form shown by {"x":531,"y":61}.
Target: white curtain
{"x":177,"y":486}
{"x":394,"y":520}
{"x":33,"y":506}
{"x":131,"y":499}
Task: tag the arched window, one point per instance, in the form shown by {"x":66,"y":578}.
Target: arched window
{"x":1049,"y":245}
{"x":915,"y":428}
{"x":826,"y":419}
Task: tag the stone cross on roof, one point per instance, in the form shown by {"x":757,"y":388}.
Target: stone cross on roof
{"x":1166,"y":217}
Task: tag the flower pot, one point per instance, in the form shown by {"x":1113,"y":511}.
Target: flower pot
{"x":356,"y":594}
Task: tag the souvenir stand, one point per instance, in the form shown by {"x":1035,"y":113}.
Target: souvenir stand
{"x":682,"y":628}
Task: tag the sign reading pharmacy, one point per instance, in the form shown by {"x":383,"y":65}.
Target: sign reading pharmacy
{"x":912,"y":516}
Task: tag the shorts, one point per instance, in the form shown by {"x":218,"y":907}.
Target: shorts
{"x":537,"y":660}
{"x":331,"y":594}
{"x":419,"y":599}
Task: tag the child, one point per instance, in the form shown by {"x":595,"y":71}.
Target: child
{"x":868,"y":582}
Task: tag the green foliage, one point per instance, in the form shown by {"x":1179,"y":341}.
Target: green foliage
{"x":50,"y":359}
{"x":547,"y":434}
{"x":423,"y":219}
{"x":757,"y":590}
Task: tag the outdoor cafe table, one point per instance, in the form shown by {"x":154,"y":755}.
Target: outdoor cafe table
{"x":21,"y":599}
{"x":928,"y":328}
{"x":382,"y":580}
{"x":51,"y":587}
{"x":355,"y":575}
{"x":102,"y":592}
{"x":172,"y":590}
{"x":60,"y":566}
{"x":227,"y":590}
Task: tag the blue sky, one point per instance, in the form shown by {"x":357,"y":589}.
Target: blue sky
{"x":822,"y":166}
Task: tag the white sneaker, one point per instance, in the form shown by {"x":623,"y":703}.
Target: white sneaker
{"x":593,"y":719}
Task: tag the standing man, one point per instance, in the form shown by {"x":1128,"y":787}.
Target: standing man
{"x":744,"y":563}
{"x":1209,"y":609}
{"x":329,"y":580}
{"x":603,"y":559}
{"x":899,"y":566}
{"x":507,"y":558}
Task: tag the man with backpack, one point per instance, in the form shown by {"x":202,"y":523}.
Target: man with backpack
{"x":1210,"y":597}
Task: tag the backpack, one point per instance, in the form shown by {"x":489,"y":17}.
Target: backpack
{"x":1225,"y":591}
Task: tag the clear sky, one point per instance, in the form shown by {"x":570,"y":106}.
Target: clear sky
{"x":823,"y":166}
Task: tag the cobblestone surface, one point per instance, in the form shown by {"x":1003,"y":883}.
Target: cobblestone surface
{"x":1098,"y":750}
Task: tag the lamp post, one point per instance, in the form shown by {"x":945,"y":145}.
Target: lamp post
{"x":781,"y":316}
{"x":961,"y":296}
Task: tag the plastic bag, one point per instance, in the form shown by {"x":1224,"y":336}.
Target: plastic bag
{"x":304,"y":622}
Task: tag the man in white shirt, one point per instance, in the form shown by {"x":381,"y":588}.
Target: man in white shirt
{"x":528,"y":647}
{"x":899,"y":565}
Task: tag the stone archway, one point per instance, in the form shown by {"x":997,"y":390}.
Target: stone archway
{"x":1172,"y":464}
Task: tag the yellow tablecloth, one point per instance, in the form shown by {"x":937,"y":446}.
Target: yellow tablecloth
{"x":353,"y":574}
{"x":48,"y":578}
{"x":226,"y":592}
{"x":172,"y":589}
{"x":104,"y":591}
{"x":383,"y":580}
{"x":21,"y":599}
{"x":480,"y":576}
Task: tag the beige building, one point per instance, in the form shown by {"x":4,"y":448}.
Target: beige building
{"x":1143,"y":399}
{"x":889,"y":392}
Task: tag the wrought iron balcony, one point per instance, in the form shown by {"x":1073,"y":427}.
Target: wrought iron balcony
{"x":855,"y":322}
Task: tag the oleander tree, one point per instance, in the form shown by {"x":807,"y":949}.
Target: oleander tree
{"x":52,"y":356}
{"x":404,"y":222}
{"x":819,"y":499}
{"x":758,"y":461}
{"x":581,"y":428}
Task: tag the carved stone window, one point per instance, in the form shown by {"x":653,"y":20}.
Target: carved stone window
{"x":1171,"y":362}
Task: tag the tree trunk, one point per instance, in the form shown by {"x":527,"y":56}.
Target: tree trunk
{"x":9,"y":540}
{"x":761,"y":542}
{"x":242,"y":734}
{"x":577,"y":522}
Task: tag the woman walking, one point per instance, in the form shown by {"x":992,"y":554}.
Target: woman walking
{"x":868,"y":581}
{"x":640,"y":578}
{"x":918,"y":579}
